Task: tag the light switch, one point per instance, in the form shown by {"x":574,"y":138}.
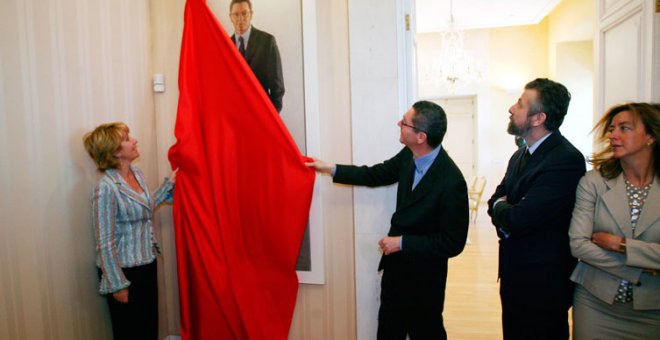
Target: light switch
{"x":159,"y":83}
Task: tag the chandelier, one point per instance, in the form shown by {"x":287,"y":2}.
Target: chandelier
{"x":455,"y":66}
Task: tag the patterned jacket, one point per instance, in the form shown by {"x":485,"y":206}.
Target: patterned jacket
{"x":123,"y":226}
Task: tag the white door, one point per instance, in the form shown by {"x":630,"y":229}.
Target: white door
{"x":625,"y":37}
{"x":407,"y":53}
{"x":459,"y":142}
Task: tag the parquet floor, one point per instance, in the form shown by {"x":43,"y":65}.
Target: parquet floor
{"x":472,"y":300}
{"x":472,"y":303}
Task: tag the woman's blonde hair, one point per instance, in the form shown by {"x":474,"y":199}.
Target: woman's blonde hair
{"x":648,"y":114}
{"x":102,"y":144}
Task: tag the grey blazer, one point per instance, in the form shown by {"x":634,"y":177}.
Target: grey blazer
{"x":602,"y":206}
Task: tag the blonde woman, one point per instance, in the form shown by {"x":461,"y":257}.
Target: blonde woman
{"x":615,"y":230}
{"x":126,"y":247}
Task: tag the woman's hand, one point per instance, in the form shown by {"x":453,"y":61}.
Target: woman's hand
{"x":173,"y":175}
{"x":607,"y":241}
{"x":121,"y":296}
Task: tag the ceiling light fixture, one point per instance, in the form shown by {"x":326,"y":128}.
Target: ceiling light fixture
{"x":455,"y":65}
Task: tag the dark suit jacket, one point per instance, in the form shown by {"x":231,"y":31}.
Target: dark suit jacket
{"x":263,"y":56}
{"x":433,"y":218}
{"x":535,"y":261}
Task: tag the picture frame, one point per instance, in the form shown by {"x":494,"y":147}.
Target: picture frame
{"x":297,"y":44}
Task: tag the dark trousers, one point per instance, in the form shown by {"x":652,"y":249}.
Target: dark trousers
{"x":137,"y":319}
{"x":411,"y":305}
{"x":524,"y":322}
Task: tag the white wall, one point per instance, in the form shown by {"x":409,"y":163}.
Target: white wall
{"x":375,"y":137}
{"x":575,"y":69}
{"x":571,"y":61}
{"x":655,"y":94}
{"x":65,"y":67}
{"x":571,"y":20}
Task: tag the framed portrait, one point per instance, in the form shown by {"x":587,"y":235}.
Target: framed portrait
{"x":293,"y":24}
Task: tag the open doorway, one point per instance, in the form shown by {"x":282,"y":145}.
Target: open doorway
{"x":460,"y":140}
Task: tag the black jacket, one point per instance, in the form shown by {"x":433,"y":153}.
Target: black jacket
{"x":535,"y":261}
{"x":263,"y":56}
{"x":433,"y":218}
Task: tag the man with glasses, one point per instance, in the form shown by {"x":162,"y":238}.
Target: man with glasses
{"x":259,"y":50}
{"x":429,"y":225}
{"x":531,"y":210}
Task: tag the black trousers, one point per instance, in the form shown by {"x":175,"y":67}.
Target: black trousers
{"x":137,"y":319}
{"x":524,"y":322}
{"x":411,"y":303}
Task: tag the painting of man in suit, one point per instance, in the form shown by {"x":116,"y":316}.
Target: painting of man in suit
{"x":284,"y":56}
{"x":531,"y":210}
{"x":429,"y":225}
{"x":259,"y":49}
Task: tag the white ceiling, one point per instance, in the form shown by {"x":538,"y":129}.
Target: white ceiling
{"x":433,"y":15}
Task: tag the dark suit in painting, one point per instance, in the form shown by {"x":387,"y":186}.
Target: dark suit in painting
{"x":535,"y":262}
{"x":263,"y":56}
{"x":433,"y":220}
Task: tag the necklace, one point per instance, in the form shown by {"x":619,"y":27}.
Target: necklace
{"x":636,"y":198}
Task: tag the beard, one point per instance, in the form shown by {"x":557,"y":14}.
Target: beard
{"x":512,"y":129}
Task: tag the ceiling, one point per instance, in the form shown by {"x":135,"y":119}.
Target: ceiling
{"x":433,"y":15}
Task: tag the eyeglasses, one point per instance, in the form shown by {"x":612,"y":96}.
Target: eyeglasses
{"x":403,"y":123}
{"x":243,"y":14}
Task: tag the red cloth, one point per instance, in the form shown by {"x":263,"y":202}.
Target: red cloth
{"x":242,"y":193}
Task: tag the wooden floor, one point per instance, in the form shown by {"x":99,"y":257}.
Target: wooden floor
{"x":472,"y":302}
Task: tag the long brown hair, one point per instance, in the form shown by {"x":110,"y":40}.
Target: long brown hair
{"x":649,"y":114}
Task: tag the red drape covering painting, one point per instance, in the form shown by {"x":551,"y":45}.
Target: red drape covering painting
{"x":242,"y":193}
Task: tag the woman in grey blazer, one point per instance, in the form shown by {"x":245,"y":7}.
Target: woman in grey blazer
{"x":122,"y":209}
{"x":615,"y":230}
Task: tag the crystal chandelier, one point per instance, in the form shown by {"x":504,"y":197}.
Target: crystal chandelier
{"x":455,"y":65}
